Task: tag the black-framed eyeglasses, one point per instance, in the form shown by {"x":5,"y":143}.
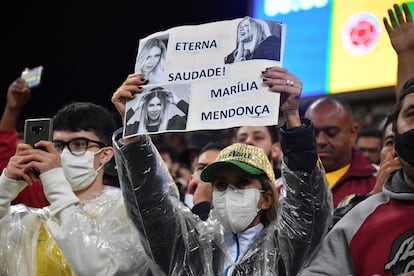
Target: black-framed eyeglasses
{"x":77,"y":146}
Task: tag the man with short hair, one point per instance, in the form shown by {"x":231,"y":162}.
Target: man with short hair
{"x":85,"y":230}
{"x":265,"y":137}
{"x":369,"y":142}
{"x":347,"y":170}
{"x":202,"y":192}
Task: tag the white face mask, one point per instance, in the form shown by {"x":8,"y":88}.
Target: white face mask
{"x":236,"y":208}
{"x":79,"y":170}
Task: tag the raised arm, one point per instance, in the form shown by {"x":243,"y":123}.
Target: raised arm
{"x":281,"y":80}
{"x":400,"y":29}
{"x":18,"y":96}
{"x":150,"y":194}
{"x":305,"y":212}
{"x":126,"y":92}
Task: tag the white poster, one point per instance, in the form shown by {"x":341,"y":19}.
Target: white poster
{"x":206,"y":76}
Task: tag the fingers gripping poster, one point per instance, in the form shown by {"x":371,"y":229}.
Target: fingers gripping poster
{"x":206,"y":76}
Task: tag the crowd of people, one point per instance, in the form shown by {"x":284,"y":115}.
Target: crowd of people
{"x":314,"y":196}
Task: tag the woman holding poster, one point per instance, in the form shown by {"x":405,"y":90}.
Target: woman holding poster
{"x":249,"y":231}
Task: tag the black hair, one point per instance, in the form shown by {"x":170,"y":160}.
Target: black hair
{"x":370,"y":132}
{"x":387,"y":120}
{"x":216,"y":145}
{"x":407,"y":88}
{"x":395,"y":111}
{"x":86,"y":116}
{"x":162,"y":147}
{"x":195,"y":141}
{"x":273,"y":132}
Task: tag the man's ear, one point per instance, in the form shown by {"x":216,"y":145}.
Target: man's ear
{"x":276,"y":152}
{"x":354,"y":133}
{"x":107,"y":154}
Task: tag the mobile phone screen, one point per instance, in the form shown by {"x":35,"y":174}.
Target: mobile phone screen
{"x":37,"y":129}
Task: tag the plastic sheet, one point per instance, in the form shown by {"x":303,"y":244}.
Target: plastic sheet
{"x":94,"y":237}
{"x":182,"y":244}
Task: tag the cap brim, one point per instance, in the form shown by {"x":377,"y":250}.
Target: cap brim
{"x":209,"y":173}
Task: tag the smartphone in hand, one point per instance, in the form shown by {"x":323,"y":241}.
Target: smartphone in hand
{"x":32,"y":76}
{"x":37,"y":129}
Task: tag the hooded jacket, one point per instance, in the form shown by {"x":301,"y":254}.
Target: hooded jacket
{"x":374,"y":238}
{"x":359,"y":179}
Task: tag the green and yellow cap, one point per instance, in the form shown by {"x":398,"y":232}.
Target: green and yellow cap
{"x":249,"y":158}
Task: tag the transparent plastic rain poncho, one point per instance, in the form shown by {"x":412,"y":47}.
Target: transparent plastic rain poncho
{"x":93,"y":237}
{"x":182,"y":244}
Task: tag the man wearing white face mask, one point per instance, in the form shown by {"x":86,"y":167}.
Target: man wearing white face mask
{"x":85,"y":229}
{"x":78,"y":163}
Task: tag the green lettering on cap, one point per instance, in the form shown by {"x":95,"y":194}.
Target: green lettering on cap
{"x":246,"y":155}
